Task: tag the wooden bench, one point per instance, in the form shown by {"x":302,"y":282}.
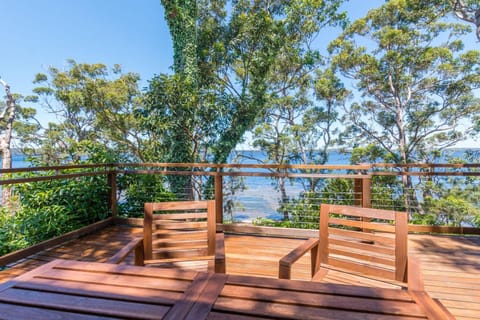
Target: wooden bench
{"x":179,"y":234}
{"x":77,"y":290}
{"x":359,"y":246}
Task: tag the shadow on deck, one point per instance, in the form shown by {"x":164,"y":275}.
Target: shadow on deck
{"x":451,"y":264}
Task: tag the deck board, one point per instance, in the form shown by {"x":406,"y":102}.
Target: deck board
{"x":450,"y":264}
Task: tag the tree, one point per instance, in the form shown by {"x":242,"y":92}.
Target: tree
{"x":91,"y":105}
{"x":182,"y":17}
{"x":15,"y":124}
{"x":237,"y":46}
{"x":95,"y":107}
{"x":465,"y":10}
{"x":415,"y":83}
{"x":268,"y":52}
{"x":469,"y":11}
{"x":236,"y":50}
{"x":7,"y":117}
{"x":291,"y":125}
{"x":218,"y":74}
{"x":177,"y":101}
{"x":299,"y":130}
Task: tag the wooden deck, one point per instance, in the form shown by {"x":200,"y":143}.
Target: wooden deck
{"x":451,"y":264}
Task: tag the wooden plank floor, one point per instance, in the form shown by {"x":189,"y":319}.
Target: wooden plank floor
{"x":451,"y":268}
{"x":451,"y":264}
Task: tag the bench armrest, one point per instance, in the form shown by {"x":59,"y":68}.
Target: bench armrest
{"x":219,"y":252}
{"x":285,"y":264}
{"x":415,"y":276}
{"x":135,"y":244}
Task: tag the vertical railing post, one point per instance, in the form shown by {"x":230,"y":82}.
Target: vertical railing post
{"x":358,"y":192}
{"x":219,"y":195}
{"x":367,"y":192}
{"x":362,"y":193}
{"x":112,"y":193}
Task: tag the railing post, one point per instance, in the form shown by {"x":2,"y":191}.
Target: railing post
{"x":362,"y":195}
{"x":219,"y":196}
{"x":367,"y":192}
{"x":112,"y":193}
{"x":358,"y":192}
{"x":362,"y":192}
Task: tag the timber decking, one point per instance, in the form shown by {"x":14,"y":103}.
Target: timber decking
{"x":450,"y":264}
{"x":451,"y":268}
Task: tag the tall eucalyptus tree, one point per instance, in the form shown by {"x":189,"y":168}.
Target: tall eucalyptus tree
{"x":237,"y":46}
{"x":16,"y":123}
{"x":465,"y":10}
{"x":415,"y":83}
{"x":7,"y":117}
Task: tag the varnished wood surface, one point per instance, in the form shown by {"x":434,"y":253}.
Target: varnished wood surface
{"x":67,"y":289}
{"x":450,"y":264}
{"x":376,"y":249}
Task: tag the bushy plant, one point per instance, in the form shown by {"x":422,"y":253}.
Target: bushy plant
{"x":10,"y":237}
{"x":303,"y":211}
{"x":83,"y":199}
{"x":138,"y":189}
{"x":45,"y":209}
{"x":451,"y":200}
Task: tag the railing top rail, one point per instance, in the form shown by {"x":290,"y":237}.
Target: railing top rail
{"x":60,"y":167}
{"x":247,"y":174}
{"x":248,"y":166}
{"x":52,"y":177}
{"x":209,"y":169}
{"x":363,"y":166}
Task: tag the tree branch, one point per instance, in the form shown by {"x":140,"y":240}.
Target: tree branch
{"x":462,"y":12}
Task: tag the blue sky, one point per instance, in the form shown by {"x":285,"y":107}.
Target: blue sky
{"x":36,"y":34}
{"x":41,"y":33}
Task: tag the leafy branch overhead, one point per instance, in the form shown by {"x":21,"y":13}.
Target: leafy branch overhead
{"x":91,"y":104}
{"x":414,"y":91}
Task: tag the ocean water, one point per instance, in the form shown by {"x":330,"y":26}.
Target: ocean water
{"x":255,"y":157}
{"x":19,"y":161}
{"x":261,"y":199}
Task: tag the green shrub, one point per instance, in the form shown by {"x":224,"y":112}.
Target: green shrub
{"x":138,"y":189}
{"x":47,"y":209}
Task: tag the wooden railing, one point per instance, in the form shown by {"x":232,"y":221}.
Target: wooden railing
{"x":360,"y":174}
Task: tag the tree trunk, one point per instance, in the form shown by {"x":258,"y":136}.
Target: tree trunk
{"x":463,"y":12}
{"x":181,"y":17}
{"x":411,"y":202}
{"x":8,"y":115}
{"x":6,"y":164}
{"x":284,"y":198}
